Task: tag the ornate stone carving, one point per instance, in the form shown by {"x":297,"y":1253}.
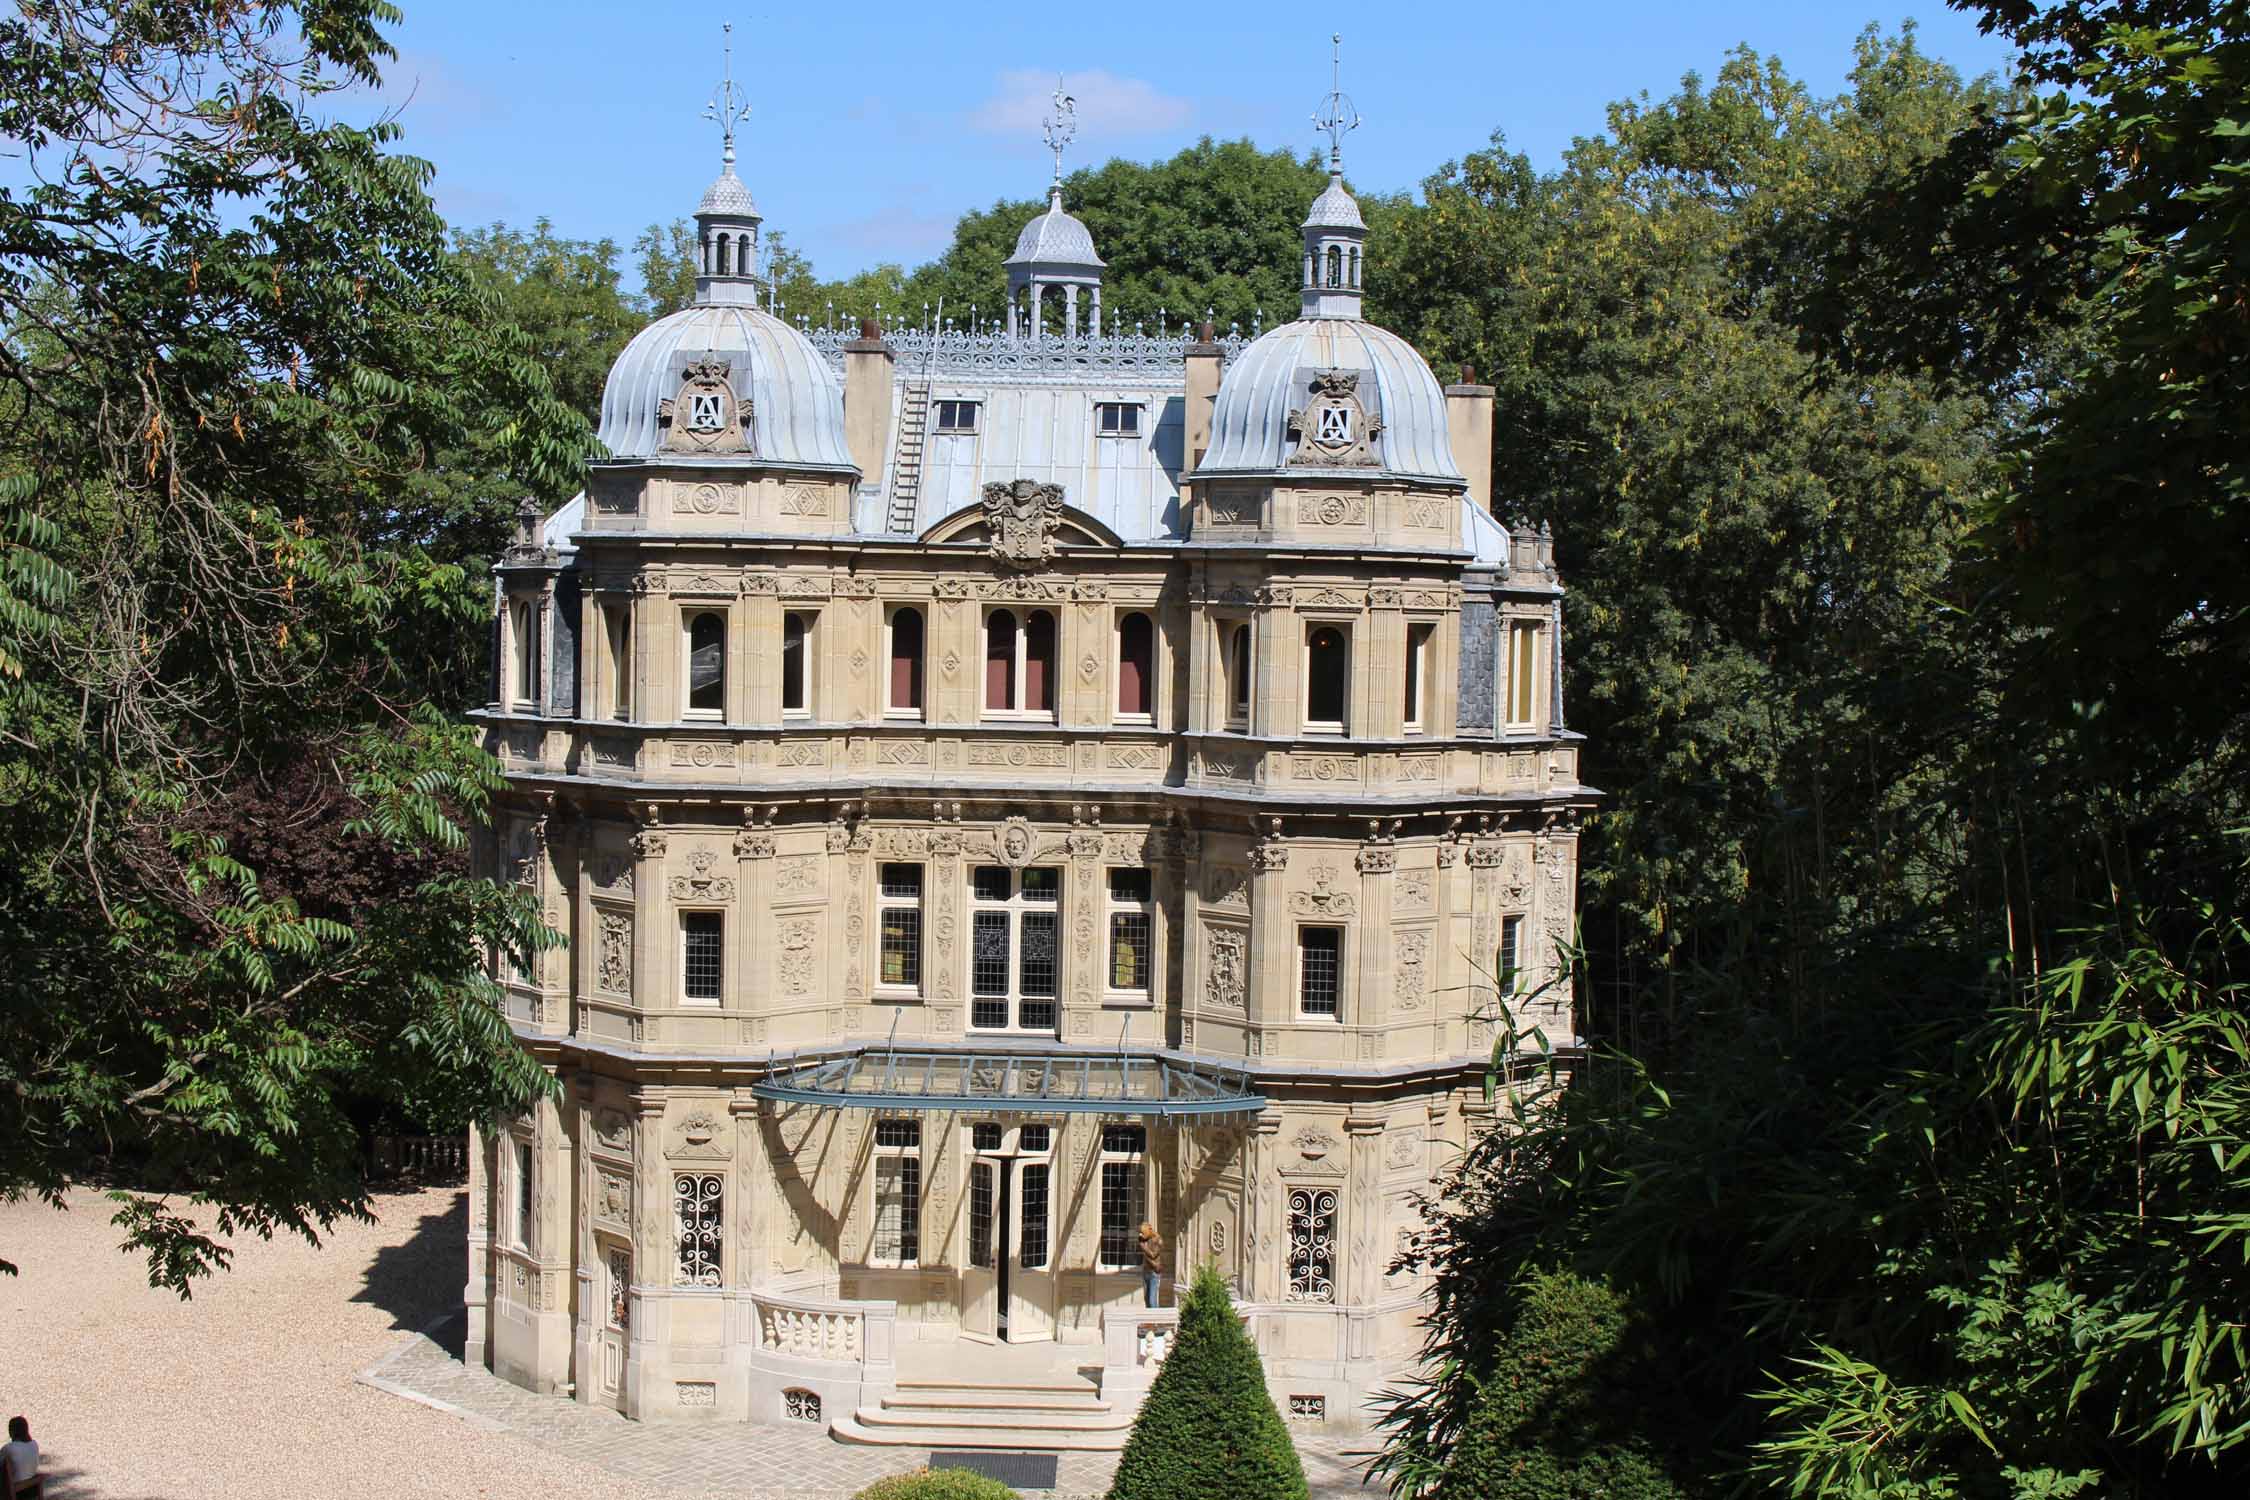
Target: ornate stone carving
{"x":701,"y":754}
{"x":1416,"y":890}
{"x":614,"y":1130}
{"x":1226,"y":885}
{"x":613,"y":958}
{"x":699,"y":884}
{"x":1333,"y":510}
{"x":1334,"y":429}
{"x":1014,"y":842}
{"x":1323,"y":900}
{"x":1409,"y":969}
{"x":1226,"y":969}
{"x":803,"y":500}
{"x":612,"y":873}
{"x":797,"y":944}
{"x":1021,"y":516}
{"x":797,"y":877}
{"x":613,"y":1198}
{"x":707,"y":500}
{"x":701,"y":1136}
{"x":1376,"y":859}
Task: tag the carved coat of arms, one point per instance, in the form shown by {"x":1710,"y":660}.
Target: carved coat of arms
{"x":1021,"y":515}
{"x":705,"y":417}
{"x":1335,"y":429}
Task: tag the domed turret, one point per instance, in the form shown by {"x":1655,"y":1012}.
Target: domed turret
{"x":1055,"y":250}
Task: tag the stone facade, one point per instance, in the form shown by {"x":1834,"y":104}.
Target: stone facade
{"x":1268,"y":771}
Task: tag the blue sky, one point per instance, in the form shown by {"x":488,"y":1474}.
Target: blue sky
{"x":875,"y":127}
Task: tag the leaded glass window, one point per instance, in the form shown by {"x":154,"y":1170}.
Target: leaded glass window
{"x":1312,"y":1244}
{"x":699,"y":1213}
{"x":1014,"y":948}
{"x":1130,"y":935}
{"x":980,"y":1215}
{"x":898,"y":1193}
{"x":702,"y":954}
{"x":899,"y":903}
{"x":1031,"y":1188}
{"x":1320,"y":952}
{"x":1124,"y":1195}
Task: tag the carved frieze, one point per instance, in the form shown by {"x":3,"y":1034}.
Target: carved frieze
{"x":700,"y":883}
{"x":703,"y":754}
{"x":1324,"y":900}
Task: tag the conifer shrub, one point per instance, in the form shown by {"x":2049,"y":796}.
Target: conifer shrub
{"x":1208,"y":1427}
{"x":938,"y":1484}
{"x":1565,"y":1410}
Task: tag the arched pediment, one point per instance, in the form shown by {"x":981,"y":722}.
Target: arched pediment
{"x":1024,"y":522}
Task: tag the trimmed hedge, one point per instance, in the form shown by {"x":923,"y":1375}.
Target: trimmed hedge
{"x":1208,"y":1430}
{"x":1567,"y":1407}
{"x":937,"y":1484}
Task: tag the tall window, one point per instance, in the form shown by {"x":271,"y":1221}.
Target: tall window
{"x":1507,"y":964}
{"x":1117,"y":418}
{"x":1238,"y":676}
{"x":703,"y":936}
{"x":1328,"y":660}
{"x":520,"y":1204}
{"x":956,"y":416}
{"x":980,"y":1215}
{"x":1320,"y":970}
{"x":1124,"y":1195}
{"x":1136,"y":667}
{"x":699,"y":1222}
{"x":1130,"y":952}
{"x":903,"y":689}
{"x":706,"y":666}
{"x":617,"y":632}
{"x":1312,"y":1244}
{"x":523,"y":648}
{"x":1019,"y":664}
{"x":1523,"y":672}
{"x":1419,"y":652}
{"x":796,"y":662}
{"x":1335,"y":266}
{"x":1014,"y":955}
{"x":898,"y":902}
{"x":1031,"y":1207}
{"x":898,"y":1194}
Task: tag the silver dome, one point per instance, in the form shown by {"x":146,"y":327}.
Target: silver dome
{"x":1335,"y":208}
{"x":728,"y":195}
{"x":797,"y":401}
{"x":1055,"y":239}
{"x":1273,"y":377}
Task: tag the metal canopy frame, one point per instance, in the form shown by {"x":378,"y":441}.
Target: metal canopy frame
{"x":1114,"y":1083}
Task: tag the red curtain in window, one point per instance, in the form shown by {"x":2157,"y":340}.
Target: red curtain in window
{"x":1136,"y":652}
{"x":1000,"y":659}
{"x":906,"y":659}
{"x":1039,"y":662}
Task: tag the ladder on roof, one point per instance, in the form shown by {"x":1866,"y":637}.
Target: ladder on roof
{"x":906,"y":460}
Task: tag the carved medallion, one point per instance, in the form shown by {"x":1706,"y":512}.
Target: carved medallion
{"x":1021,"y":516}
{"x":1335,"y":429}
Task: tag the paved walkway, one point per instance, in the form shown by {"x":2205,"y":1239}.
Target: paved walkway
{"x":741,"y":1460}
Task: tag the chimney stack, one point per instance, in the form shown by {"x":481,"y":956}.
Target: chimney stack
{"x":1468,"y":421}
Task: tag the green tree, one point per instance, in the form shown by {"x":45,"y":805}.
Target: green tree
{"x":1208,"y":1425}
{"x":232,"y":336}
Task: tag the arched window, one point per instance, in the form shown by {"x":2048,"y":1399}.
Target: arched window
{"x":1335,"y":266}
{"x":706,"y":665}
{"x":1327,"y":679}
{"x":1136,"y":666}
{"x":704,"y":259}
{"x":904,"y":693}
{"x":1000,"y":646}
{"x":1039,"y":663}
{"x":726,"y":254}
{"x":1238,"y":677}
{"x":1355,"y":268}
{"x":523,"y":649}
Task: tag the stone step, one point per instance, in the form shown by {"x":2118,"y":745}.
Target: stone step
{"x":853,"y":1429}
{"x":958,"y":1419}
{"x":996,"y":1400}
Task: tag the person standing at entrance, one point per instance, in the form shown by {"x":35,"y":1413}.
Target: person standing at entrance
{"x":1152,"y":1260}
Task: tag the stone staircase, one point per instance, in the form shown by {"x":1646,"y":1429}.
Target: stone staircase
{"x":1063,"y":1415}
{"x":906,"y":460}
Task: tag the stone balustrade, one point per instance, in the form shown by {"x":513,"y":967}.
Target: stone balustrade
{"x":827,"y":1329}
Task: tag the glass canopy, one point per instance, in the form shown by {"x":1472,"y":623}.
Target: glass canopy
{"x":1114,"y":1083}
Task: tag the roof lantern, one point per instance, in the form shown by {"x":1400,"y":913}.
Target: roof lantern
{"x":1335,"y":235}
{"x":727,"y":220}
{"x":1054,"y":252}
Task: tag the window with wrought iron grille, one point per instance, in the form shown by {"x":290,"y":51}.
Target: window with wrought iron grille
{"x":898,"y":906}
{"x":1312,"y":1244}
{"x":521,"y":1217}
{"x":1124,"y":1195}
{"x":1507,"y":964}
{"x":1014,"y":948}
{"x":703,"y":939}
{"x":1320,"y":970}
{"x":699,"y":1219}
{"x":955,"y":416}
{"x":1117,"y":418}
{"x":897,"y":1238}
{"x":1131,"y":933}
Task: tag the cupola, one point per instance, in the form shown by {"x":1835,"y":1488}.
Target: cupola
{"x":727,"y":220}
{"x":1335,"y":235}
{"x":1055,"y":252}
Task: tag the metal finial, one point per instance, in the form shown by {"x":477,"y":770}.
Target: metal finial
{"x":1337,"y":118}
{"x":729,"y":108}
{"x":1060,"y":128}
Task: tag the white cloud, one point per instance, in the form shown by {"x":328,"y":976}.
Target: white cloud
{"x":1108,"y":106}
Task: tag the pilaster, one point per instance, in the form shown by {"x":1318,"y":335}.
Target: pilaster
{"x":1273,"y":949}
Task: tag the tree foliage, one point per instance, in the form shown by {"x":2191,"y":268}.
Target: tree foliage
{"x":1208,"y":1425}
{"x":233,"y":345}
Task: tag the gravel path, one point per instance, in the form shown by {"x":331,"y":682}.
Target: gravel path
{"x":249,"y":1391}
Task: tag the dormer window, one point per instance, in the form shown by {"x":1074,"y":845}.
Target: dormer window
{"x":956,"y":416}
{"x":1117,"y":418}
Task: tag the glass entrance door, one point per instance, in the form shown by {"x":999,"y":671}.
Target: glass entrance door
{"x":1008,"y":1282}
{"x":980,"y":1277}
